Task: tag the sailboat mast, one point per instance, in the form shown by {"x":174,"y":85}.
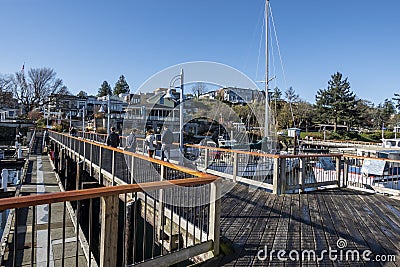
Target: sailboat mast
{"x":266,"y":131}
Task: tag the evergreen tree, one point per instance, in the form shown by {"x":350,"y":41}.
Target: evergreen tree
{"x":336,"y":103}
{"x":121,"y":86}
{"x":291,"y":97}
{"x":82,"y":94}
{"x":104,"y":90}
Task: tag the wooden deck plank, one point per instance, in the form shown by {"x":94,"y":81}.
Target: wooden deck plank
{"x":281,"y":234}
{"x":247,"y":224}
{"x":346,"y":225}
{"x":378,"y":242}
{"x":235,"y":221}
{"x":386,"y":224}
{"x":251,"y":240}
{"x":270,"y":230}
{"x":319,"y":234}
{"x":315,"y":221}
{"x":307,"y":240}
{"x":250,"y":252}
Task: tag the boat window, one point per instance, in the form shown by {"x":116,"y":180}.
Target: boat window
{"x":391,"y":143}
{"x":398,"y":144}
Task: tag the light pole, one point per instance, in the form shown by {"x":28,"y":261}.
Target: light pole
{"x":70,"y":120}
{"x":83,"y":120}
{"x":68,"y":116}
{"x":108,"y":113}
{"x":169,"y":95}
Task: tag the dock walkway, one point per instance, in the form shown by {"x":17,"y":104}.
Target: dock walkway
{"x":255,"y":220}
{"x":41,"y":179}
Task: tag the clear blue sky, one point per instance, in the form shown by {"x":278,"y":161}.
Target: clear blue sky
{"x":87,"y":42}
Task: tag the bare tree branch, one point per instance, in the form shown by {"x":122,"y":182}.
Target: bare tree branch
{"x":33,"y":91}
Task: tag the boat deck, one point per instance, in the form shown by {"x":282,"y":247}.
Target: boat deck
{"x":251,"y":220}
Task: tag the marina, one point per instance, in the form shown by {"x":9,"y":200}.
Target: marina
{"x":236,"y":159}
{"x":250,"y":218}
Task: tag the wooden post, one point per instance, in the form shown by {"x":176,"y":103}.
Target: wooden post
{"x":215,"y":214}
{"x":100,"y":166}
{"x":109,"y":231}
{"x":283,"y":175}
{"x":338,"y":170}
{"x":345,"y":173}
{"x":160,"y":219}
{"x":61,"y":160}
{"x":206,"y":158}
{"x":55,"y":156}
{"x":275,"y":178}
{"x":302,"y":173}
{"x":133,"y":169}
{"x":79,"y":172}
{"x":128,"y":246}
{"x":235,"y":165}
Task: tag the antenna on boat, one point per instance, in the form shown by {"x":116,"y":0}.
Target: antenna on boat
{"x":266,"y":131}
{"x":265,"y":141}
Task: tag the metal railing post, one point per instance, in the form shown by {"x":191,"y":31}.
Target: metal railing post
{"x":91,"y":160}
{"x":283,"y":175}
{"x":302,"y":173}
{"x":275,"y":179}
{"x":100,"y":166}
{"x":215,"y":214}
{"x":338,"y":170}
{"x":235,"y":166}
{"x":206,"y":153}
{"x":113,"y":168}
{"x":345,"y":173}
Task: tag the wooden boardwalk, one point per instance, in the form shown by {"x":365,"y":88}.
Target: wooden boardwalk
{"x":42,"y":179}
{"x":251,"y":220}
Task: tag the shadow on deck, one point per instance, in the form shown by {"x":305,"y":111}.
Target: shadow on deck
{"x":317,"y":221}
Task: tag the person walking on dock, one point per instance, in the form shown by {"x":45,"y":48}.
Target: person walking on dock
{"x":167,"y":138}
{"x":113,"y":138}
{"x":149,"y":142}
{"x":131,"y":141}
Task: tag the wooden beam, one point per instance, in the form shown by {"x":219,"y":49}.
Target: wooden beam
{"x":109,"y":231}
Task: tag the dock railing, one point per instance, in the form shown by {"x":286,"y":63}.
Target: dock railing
{"x":294,"y":173}
{"x":102,"y":248}
{"x":169,"y":212}
{"x":373,"y":174}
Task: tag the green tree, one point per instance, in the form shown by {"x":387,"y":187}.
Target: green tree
{"x":82,"y":94}
{"x":305,"y":114}
{"x":104,"y":90}
{"x":121,"y":86}
{"x":276,"y":100}
{"x":364,"y":114}
{"x":291,"y":97}
{"x":336,"y":103}
{"x":397,"y":99}
{"x":384,"y":113}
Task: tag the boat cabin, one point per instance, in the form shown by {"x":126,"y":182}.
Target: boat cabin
{"x":391,"y":143}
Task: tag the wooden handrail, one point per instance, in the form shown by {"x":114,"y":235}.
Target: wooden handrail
{"x":40,"y":199}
